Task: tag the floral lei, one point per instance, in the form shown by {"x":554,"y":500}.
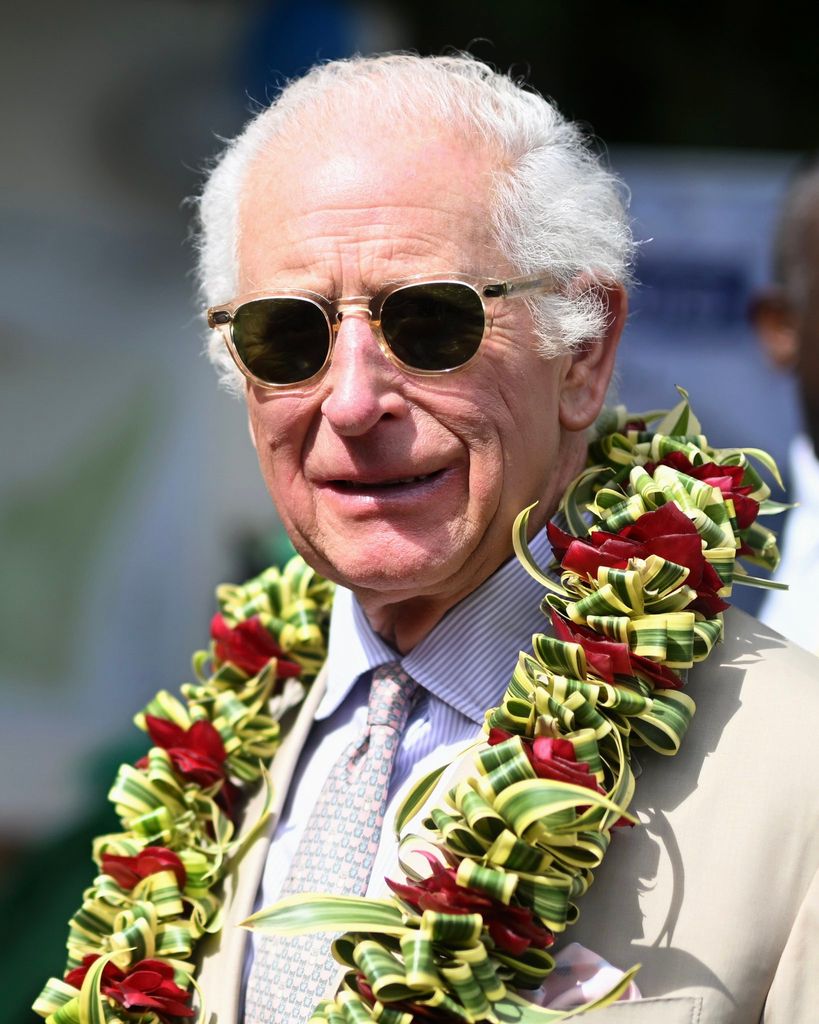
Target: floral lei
{"x":645,"y":543}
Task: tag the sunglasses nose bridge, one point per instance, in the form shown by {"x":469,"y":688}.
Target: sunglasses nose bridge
{"x":357,"y":305}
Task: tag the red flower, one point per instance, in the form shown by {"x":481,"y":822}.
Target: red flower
{"x":513,"y":929}
{"x":551,"y":759}
{"x":197,"y":753}
{"x":249,"y":646}
{"x":667,"y":532}
{"x":128,"y":871}
{"x":147,"y":985}
{"x":584,"y":555}
{"x":609,"y":659}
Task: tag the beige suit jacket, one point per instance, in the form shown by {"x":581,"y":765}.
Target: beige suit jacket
{"x":716,"y":894}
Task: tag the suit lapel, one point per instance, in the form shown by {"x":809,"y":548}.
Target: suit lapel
{"x":221,"y":969}
{"x":664,"y":1010}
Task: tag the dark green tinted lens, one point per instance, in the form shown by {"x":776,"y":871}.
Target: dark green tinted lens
{"x":433,"y":326}
{"x":281,"y":341}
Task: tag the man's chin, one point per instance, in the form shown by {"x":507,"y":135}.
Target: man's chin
{"x":395,"y":571}
{"x":390,"y":580}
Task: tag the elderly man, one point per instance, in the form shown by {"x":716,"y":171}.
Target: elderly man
{"x":419,"y":269}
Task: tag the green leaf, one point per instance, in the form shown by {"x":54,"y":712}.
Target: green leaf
{"x":417,"y":796}
{"x":200,"y":1016}
{"x":680,"y":420}
{"x":769,"y":507}
{"x":252,"y":833}
{"x":760,"y":455}
{"x":527,"y":803}
{"x":577,"y":497}
{"x":92,"y":1005}
{"x":524,"y":554}
{"x":300,"y":914}
{"x":745,"y":578}
{"x":514,"y":1010}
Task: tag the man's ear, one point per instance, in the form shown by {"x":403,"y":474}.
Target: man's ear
{"x":588,"y":376}
{"x":775,"y":323}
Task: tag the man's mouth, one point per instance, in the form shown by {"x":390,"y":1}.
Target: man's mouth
{"x":364,"y":486}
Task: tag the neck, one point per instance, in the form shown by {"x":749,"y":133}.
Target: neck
{"x":404,"y":623}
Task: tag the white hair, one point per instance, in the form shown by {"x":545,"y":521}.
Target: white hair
{"x":554,"y":206}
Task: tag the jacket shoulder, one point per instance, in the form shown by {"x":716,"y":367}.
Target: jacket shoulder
{"x":762,"y":653}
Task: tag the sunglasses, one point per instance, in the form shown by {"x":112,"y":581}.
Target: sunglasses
{"x":424,"y":325}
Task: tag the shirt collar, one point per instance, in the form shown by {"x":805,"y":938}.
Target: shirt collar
{"x":469,"y":656}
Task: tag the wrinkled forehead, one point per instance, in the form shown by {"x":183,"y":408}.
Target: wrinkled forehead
{"x":392,"y":188}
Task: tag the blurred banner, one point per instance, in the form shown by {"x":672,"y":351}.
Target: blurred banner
{"x":705,"y":221}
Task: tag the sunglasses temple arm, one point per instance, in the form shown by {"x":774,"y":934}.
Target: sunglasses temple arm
{"x":528,"y":285}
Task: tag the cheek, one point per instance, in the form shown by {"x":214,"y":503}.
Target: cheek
{"x":530,"y":398}
{"x":487,"y":429}
{"x":531,"y":441}
{"x":278,"y":427}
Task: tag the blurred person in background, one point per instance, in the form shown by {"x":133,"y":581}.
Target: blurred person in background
{"x":786,"y":317}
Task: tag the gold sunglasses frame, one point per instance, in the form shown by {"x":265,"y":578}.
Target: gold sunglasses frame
{"x":488,"y":291}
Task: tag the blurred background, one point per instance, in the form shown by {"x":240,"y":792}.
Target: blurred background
{"x":128,"y":487}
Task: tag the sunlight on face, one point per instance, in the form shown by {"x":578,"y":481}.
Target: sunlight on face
{"x":388,"y":481}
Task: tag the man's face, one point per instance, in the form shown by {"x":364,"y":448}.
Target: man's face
{"x":390,"y":483}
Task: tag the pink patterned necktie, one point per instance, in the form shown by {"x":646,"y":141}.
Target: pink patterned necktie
{"x":335,"y":855}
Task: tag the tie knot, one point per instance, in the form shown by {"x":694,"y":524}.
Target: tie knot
{"x":391,"y":694}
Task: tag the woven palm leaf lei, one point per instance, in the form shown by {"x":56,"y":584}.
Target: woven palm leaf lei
{"x":131,"y":946}
{"x":494,"y":870}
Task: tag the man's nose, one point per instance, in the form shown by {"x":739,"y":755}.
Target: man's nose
{"x":364,"y":386}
